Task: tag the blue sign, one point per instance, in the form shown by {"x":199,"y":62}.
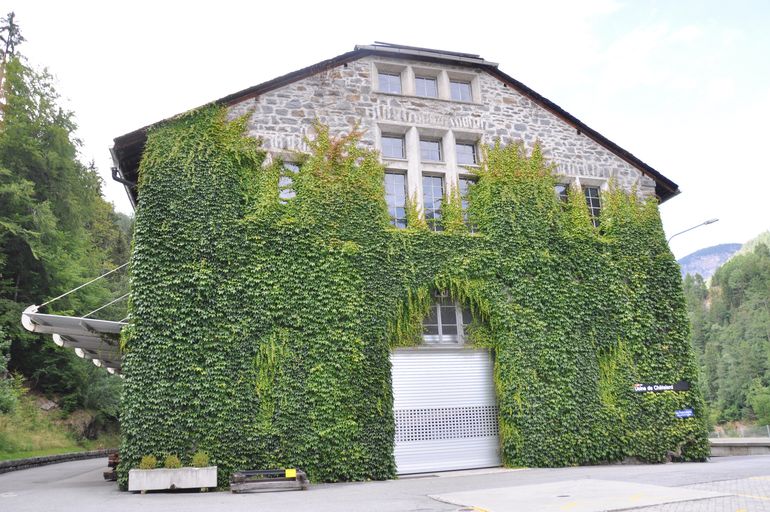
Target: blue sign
{"x":684,"y":413}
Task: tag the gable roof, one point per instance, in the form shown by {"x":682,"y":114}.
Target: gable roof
{"x":128,"y":148}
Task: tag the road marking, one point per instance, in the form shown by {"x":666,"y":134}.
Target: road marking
{"x":759,"y":477}
{"x":569,"y":505}
{"x":8,"y":495}
{"x":766,"y":498}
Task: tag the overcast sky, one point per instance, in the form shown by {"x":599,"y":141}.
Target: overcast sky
{"x":683,"y":85}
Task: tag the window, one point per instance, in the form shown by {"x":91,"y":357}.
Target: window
{"x":395,"y":197}
{"x":446,"y":323}
{"x":430,"y":150}
{"x":286,"y":182}
{"x":464,"y":185}
{"x":562,"y":191}
{"x":432,"y":195}
{"x":466,"y":154}
{"x":594,"y":203}
{"x":425,"y":86}
{"x":460,"y":91}
{"x":393,"y":146}
{"x":389,"y":82}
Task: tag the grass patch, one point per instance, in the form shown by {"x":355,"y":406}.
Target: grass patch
{"x":30,"y":432}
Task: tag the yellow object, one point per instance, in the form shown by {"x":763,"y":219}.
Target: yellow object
{"x":291,"y":473}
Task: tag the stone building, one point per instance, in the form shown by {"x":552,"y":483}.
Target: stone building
{"x":428,"y":113}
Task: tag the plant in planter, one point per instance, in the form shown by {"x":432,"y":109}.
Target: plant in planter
{"x":148,"y":462}
{"x":148,"y":477}
{"x":172,"y":462}
{"x":200,"y":459}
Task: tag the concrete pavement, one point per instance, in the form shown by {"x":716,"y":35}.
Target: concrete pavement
{"x":730,"y":484}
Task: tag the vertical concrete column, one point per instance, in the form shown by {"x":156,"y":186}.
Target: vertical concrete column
{"x":407,"y":81}
{"x":450,"y":159}
{"x":414,"y":169}
{"x":443,"y":85}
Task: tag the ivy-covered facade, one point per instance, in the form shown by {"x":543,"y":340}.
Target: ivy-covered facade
{"x":267,"y":300}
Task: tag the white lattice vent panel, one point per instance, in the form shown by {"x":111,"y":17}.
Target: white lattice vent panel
{"x":446,"y":423}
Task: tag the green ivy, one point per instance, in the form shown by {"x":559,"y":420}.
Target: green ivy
{"x":261,"y":330}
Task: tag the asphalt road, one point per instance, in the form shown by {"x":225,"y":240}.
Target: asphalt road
{"x":734,"y":484}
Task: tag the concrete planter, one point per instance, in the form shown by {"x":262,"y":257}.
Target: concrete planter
{"x":181,"y":478}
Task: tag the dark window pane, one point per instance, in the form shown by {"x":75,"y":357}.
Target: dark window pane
{"x":466,"y":154}
{"x":430,"y":330}
{"x":461,"y":91}
{"x":425,"y":86}
{"x":430,"y":150}
{"x":448,"y":315}
{"x":432,"y":317}
{"x":392,"y":147}
{"x":594,"y":203}
{"x":467,"y":316}
{"x":449,"y":330}
{"x":389,"y":82}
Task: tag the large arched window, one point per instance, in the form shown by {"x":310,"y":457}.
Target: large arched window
{"x":447,"y":323}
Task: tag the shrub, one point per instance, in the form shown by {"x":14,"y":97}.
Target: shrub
{"x":200,"y":459}
{"x":148,"y":462}
{"x":172,"y":462}
{"x":11,"y":391}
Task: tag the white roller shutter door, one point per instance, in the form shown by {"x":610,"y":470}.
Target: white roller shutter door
{"x":445,"y":410}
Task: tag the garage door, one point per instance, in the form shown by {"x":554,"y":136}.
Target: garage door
{"x":445,"y":410}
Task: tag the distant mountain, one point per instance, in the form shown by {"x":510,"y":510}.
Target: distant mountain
{"x":706,"y":261}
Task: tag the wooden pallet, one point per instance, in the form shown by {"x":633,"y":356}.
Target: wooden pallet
{"x":113,"y":460}
{"x":268,"y":480}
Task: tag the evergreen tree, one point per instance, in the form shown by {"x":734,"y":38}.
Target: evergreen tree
{"x":10,"y":37}
{"x":731,"y":335}
{"x":56,"y":231}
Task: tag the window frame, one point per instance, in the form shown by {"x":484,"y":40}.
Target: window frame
{"x":434,"y":220}
{"x":426,"y":78}
{"x":440,"y":150}
{"x":468,"y":83}
{"x":562,"y":195}
{"x":472,"y":180}
{"x":443,"y":300}
{"x":391,"y":136}
{"x":474,"y":152}
{"x":594,"y":210}
{"x":389,"y":73}
{"x":286,"y":182}
{"x":394,"y":219}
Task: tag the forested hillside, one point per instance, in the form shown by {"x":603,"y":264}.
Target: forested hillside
{"x":56,"y":232}
{"x":731,"y":335}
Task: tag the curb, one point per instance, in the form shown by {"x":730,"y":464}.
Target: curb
{"x":17,"y":464}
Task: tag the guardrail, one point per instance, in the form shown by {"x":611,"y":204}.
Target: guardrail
{"x":741,"y":431}
{"x":17,"y":464}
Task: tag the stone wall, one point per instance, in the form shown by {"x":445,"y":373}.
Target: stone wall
{"x":345,"y":95}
